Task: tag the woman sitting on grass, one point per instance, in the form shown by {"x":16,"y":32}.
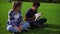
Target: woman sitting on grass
{"x":15,"y":24}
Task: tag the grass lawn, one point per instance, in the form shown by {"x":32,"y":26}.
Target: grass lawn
{"x":50,"y":11}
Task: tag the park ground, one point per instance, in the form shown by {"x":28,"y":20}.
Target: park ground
{"x":51,"y":11}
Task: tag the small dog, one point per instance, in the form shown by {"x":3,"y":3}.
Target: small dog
{"x":37,"y":15}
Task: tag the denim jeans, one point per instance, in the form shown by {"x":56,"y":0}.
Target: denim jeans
{"x":12,"y":29}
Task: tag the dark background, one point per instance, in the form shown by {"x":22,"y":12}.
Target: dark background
{"x":46,"y":1}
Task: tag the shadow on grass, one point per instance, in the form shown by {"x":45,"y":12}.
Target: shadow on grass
{"x":50,"y":29}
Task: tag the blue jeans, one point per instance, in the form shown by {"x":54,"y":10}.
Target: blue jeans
{"x":12,"y":29}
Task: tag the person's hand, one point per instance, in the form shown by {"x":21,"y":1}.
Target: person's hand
{"x":18,"y":29}
{"x":21,"y":23}
{"x":40,"y":14}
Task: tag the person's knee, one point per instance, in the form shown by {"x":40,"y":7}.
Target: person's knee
{"x":11,"y":29}
{"x":45,"y":20}
{"x":27,"y":24}
{"x":42,"y":20}
{"x":8,"y":27}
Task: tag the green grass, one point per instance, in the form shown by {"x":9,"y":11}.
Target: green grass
{"x":50,"y":11}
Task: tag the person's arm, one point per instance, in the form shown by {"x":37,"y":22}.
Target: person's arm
{"x":20,"y":27}
{"x":11,"y":15}
{"x":30,"y":18}
{"x":17,"y":27}
{"x":30,"y":15}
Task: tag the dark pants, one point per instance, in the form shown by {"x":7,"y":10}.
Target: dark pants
{"x":41,"y":21}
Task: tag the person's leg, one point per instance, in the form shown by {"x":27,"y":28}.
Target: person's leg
{"x":33,"y":24}
{"x":41,"y":21}
{"x":25,"y":26}
{"x":12,"y":29}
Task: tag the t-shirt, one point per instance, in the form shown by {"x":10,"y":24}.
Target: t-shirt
{"x":30,"y":13}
